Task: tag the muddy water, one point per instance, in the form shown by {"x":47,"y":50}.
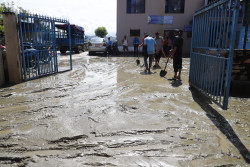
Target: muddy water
{"x":108,"y":112}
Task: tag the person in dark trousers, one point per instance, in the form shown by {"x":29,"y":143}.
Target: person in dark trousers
{"x":177,"y":54}
{"x":159,"y":42}
{"x":136,"y":44}
{"x":144,"y":47}
{"x":151,"y":48}
{"x":109,"y":46}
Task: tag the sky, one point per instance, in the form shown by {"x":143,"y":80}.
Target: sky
{"x":89,"y":14}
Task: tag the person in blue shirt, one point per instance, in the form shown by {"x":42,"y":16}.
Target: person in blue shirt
{"x":109,"y":46}
{"x":136,"y":44}
{"x":151,"y":48}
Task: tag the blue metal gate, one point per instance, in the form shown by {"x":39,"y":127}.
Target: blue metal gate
{"x":38,"y":45}
{"x":212,"y":50}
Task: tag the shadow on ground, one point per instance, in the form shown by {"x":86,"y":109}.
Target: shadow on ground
{"x":220,"y":122}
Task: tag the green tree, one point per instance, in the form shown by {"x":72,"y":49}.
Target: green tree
{"x":101,"y":32}
{"x":7,"y":7}
{"x":2,"y":9}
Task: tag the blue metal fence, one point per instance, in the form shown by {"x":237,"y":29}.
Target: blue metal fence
{"x":212,"y":50}
{"x":38,"y":45}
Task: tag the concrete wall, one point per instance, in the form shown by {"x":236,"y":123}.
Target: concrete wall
{"x":125,"y":21}
{"x":12,"y":47}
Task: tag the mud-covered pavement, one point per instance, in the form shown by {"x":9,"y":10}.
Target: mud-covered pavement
{"x":108,"y":112}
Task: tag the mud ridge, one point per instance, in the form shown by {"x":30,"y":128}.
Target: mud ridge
{"x":44,"y":108}
{"x":22,"y":161}
{"x":41,"y":90}
{"x":98,"y":154}
{"x":75,"y":146}
{"x":99,"y":164}
{"x":68,"y":139}
{"x":7,"y":145}
{"x":127,"y":144}
{"x":8,"y":95}
{"x":99,"y":97}
{"x":128,"y":133}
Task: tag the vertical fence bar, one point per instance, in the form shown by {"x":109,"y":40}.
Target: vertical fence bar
{"x":228,"y":24}
{"x":214,"y":28}
{"x":192,"y":51}
{"x":224,"y":29}
{"x":221,"y":20}
{"x":209,"y":72}
{"x":218,"y":83}
{"x":38,"y":45}
{"x":70,"y":49}
{"x":231,"y":52}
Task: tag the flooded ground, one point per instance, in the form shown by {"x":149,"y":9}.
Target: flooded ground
{"x":108,"y":112}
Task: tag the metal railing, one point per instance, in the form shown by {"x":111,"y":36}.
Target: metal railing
{"x":38,"y":45}
{"x":212,"y":50}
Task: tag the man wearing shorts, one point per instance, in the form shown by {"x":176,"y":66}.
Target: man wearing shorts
{"x":177,"y":54}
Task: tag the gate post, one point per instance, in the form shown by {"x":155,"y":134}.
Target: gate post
{"x":12,"y":47}
{"x":2,"y":78}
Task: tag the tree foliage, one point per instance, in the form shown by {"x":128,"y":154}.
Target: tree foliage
{"x":101,"y":32}
{"x":10,"y":7}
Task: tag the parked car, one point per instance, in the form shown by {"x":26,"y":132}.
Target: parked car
{"x":97,"y":45}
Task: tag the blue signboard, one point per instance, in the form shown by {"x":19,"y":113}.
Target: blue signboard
{"x":153,"y":19}
{"x":187,"y":28}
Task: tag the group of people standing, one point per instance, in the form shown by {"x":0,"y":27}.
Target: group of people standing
{"x":156,"y":47}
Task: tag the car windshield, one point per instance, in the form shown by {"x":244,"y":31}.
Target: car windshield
{"x":97,"y":40}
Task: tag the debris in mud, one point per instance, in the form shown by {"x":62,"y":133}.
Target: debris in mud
{"x":8,"y":95}
{"x":92,"y":119}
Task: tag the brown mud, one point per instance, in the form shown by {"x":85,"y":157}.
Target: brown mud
{"x":108,"y":112}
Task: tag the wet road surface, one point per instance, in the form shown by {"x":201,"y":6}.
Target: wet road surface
{"x":108,"y":112}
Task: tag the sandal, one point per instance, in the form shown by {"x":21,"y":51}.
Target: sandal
{"x":179,"y":78}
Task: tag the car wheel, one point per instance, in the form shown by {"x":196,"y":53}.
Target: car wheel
{"x":76,"y":50}
{"x":63,"y":50}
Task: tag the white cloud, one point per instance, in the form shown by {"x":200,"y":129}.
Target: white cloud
{"x":89,"y":14}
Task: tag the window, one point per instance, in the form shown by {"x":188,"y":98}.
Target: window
{"x":174,"y":6}
{"x":135,"y":6}
{"x":134,"y":33}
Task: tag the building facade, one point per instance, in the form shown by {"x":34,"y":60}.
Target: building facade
{"x":134,"y":17}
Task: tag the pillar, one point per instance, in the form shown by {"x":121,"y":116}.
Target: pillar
{"x":12,"y":47}
{"x":2,"y":78}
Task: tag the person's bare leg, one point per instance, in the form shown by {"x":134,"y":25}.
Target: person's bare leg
{"x":175,"y":75}
{"x":179,"y":76}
